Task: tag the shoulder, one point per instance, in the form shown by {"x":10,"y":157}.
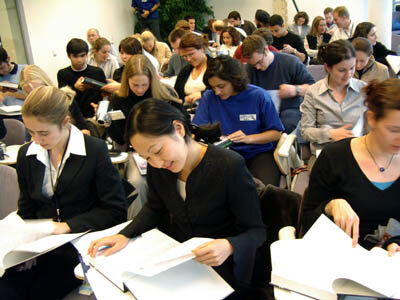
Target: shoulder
{"x":288,"y":59}
{"x":337,"y":150}
{"x":23,"y":150}
{"x":93,"y":69}
{"x":223,"y":159}
{"x":357,"y":84}
{"x":64,"y":71}
{"x":93,"y":145}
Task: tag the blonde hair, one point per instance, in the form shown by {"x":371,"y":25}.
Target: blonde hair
{"x":34,"y":74}
{"x":48,"y":104}
{"x":147,"y":36}
{"x":139,"y":64}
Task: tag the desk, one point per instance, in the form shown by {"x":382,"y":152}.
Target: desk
{"x":12,"y":152}
{"x":120,"y":159}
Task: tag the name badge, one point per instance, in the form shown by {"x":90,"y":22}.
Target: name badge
{"x":249,"y":117}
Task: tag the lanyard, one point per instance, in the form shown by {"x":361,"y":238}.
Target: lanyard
{"x":54,"y":186}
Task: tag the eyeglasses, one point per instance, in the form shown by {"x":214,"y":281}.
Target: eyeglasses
{"x":189,"y":55}
{"x":260,"y":62}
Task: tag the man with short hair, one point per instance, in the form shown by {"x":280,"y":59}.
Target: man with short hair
{"x":77,"y":51}
{"x":176,"y":62}
{"x":261,"y":18}
{"x":92,"y":35}
{"x":345,"y":27}
{"x":192,"y":23}
{"x":9,"y":72}
{"x":277,"y":71}
{"x":148,"y":15}
{"x":286,"y":41}
{"x":328,"y":13}
{"x":236,"y":20}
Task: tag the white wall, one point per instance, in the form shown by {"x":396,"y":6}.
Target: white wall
{"x":52,"y":23}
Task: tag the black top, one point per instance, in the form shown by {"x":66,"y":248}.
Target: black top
{"x":183,"y":77}
{"x":293,"y":40}
{"x":117,"y":128}
{"x":380,"y":52}
{"x":221,"y":202}
{"x":117,"y":75}
{"x":89,"y":190}
{"x":336,"y":174}
{"x":3,"y":129}
{"x":77,"y":117}
{"x":312,"y":40}
{"x":67,"y":76}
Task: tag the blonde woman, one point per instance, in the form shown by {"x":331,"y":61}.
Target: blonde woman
{"x":65,"y":176}
{"x":159,"y":50}
{"x":101,"y":57}
{"x":139,"y":82}
{"x":317,"y":36}
{"x":33,"y":76}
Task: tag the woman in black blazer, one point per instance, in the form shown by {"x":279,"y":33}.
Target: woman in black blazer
{"x":316,"y":37}
{"x":66,"y":176}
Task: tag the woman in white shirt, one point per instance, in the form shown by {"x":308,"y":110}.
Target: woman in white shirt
{"x":101,"y":57}
{"x":230,"y":40}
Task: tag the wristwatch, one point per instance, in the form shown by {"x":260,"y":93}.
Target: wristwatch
{"x":298,"y":90}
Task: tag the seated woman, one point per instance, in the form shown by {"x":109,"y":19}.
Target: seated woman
{"x":199,"y":188}
{"x":368,"y":30}
{"x":68,"y":177}
{"x":356,"y":181}
{"x":189,"y":83}
{"x":317,"y":36}
{"x":139,"y":82}
{"x":32,"y":77}
{"x":230,"y":40}
{"x":367,"y":68}
{"x":247,"y":115}
{"x":300,"y":26}
{"x":159,"y":50}
{"x":101,"y":57}
{"x":333,"y":105}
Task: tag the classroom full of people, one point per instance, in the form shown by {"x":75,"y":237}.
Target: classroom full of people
{"x":244,"y":81}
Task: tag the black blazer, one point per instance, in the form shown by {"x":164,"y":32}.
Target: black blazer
{"x":89,"y":190}
{"x":312,"y":40}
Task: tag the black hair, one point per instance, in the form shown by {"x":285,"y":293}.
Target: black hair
{"x":363,"y":29}
{"x":229,"y":69}
{"x":189,"y":17}
{"x":234,"y":15}
{"x":155,"y":117}
{"x":130,"y":45}
{"x":3,"y":55}
{"x":335,"y":52}
{"x":276,"y":20}
{"x":76,"y":46}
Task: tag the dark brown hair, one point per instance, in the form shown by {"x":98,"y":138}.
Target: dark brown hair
{"x":235,"y":35}
{"x":363,"y":45}
{"x":191,"y":40}
{"x":301,"y":14}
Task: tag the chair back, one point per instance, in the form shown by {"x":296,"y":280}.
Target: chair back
{"x":318,"y":72}
{"x":9,"y":190}
{"x":16,"y":133}
{"x":396,"y":43}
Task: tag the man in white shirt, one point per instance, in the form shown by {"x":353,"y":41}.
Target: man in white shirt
{"x":345,"y":27}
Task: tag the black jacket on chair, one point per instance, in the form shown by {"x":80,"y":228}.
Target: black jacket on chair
{"x":89,"y":189}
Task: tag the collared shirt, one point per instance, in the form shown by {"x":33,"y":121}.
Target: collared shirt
{"x":76,"y":145}
{"x":343,"y":34}
{"x":108,"y":66}
{"x":321,"y":112}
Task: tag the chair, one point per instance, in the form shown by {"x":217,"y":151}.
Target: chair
{"x":16,"y":133}
{"x":9,"y":190}
{"x":318,"y":72}
{"x":396,"y":43}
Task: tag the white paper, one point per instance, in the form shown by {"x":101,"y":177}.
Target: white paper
{"x":141,"y":163}
{"x":275,"y":98}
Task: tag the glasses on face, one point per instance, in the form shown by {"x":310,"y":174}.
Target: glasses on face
{"x":260,"y":62}
{"x":188,"y":55}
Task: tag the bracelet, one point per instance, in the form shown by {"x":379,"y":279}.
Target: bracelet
{"x":295,"y":52}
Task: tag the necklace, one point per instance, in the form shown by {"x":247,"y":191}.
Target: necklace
{"x":381,"y":169}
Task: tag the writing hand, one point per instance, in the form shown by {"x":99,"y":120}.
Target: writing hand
{"x":113,"y":243}
{"x":213,"y":253}
{"x":60,"y":228}
{"x":344,"y":217}
{"x":239,"y":137}
{"x":193,"y":97}
{"x":288,"y":49}
{"x":341,"y":132}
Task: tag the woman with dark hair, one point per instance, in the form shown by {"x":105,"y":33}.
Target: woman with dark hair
{"x":366,"y":66}
{"x":247,"y":115}
{"x":333,"y":105}
{"x":230,"y":40}
{"x":368,"y":30}
{"x":203,"y":190}
{"x":356,"y":181}
{"x":189,"y":83}
{"x":317,"y":36}
{"x":65,"y":176}
{"x":300,"y":26}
